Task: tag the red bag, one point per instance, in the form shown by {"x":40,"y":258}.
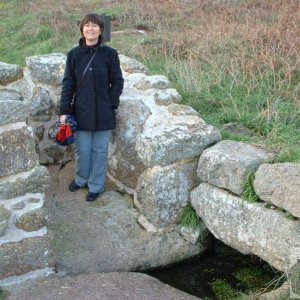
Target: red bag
{"x":65,"y":135}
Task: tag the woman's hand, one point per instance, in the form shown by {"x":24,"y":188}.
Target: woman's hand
{"x":62,"y":119}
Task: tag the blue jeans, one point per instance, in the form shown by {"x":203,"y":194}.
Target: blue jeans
{"x":91,"y":159}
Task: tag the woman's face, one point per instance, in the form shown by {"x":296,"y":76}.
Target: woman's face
{"x":91,"y":32}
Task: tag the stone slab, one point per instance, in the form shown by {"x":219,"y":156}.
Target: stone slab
{"x":47,"y":69}
{"x":17,"y":151}
{"x":36,"y":180}
{"x":250,"y":228}
{"x":13,"y":111}
{"x":9,"y":73}
{"x":24,"y":256}
{"x":227,"y":164}
{"x":279,"y":184}
{"x":163,"y":191}
{"x":109,"y":286}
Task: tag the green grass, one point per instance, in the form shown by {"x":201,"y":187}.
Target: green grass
{"x":21,"y":39}
{"x":223,"y":290}
{"x":189,"y":218}
{"x":241,"y":75}
{"x":249,"y":193}
{"x":252,"y":278}
{"x":257,"y":103}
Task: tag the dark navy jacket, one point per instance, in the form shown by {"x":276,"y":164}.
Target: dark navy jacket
{"x":99,"y":91}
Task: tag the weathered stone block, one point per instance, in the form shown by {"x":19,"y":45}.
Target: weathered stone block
{"x":13,"y":111}
{"x":25,"y":256}
{"x":167,"y":138}
{"x":17,"y":151}
{"x":24,"y":85}
{"x":41,"y":102}
{"x":19,"y":205}
{"x":164,"y":191}
{"x":166,"y":97}
{"x":32,"y":220}
{"x":131,"y":80}
{"x":194,"y":235}
{"x":124,"y":162}
{"x":39,"y":131}
{"x":47,"y":69}
{"x":131,"y":65}
{"x":279,"y":184}
{"x":9,"y":94}
{"x":227,"y":164}
{"x":248,"y":227}
{"x":181,"y":110}
{"x":103,"y":286}
{"x":4,"y":216}
{"x":50,"y":153}
{"x":153,"y":82}
{"x":9,"y":73}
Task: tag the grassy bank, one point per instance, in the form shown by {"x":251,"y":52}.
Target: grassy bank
{"x":232,"y":60}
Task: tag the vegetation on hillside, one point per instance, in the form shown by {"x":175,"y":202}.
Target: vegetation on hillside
{"x":232,"y":60}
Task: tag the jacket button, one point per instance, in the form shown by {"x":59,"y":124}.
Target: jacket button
{"x":90,"y":68}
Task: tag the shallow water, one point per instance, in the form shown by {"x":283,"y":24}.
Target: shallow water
{"x":243,"y":273}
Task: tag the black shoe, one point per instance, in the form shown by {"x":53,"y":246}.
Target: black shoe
{"x":73,"y":187}
{"x":92,"y":196}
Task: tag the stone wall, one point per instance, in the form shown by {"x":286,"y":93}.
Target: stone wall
{"x":24,"y":241}
{"x":269,"y":228}
{"x":153,"y":153}
{"x":155,"y":148}
{"x":162,"y":153}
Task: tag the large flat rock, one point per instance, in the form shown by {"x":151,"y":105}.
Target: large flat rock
{"x":250,"y":228}
{"x":110,"y":286}
{"x":104,"y":235}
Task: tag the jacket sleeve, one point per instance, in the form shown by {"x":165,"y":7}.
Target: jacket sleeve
{"x":116,"y":80}
{"x":68,"y":86}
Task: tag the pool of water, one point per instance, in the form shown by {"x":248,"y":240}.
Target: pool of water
{"x":220,"y":273}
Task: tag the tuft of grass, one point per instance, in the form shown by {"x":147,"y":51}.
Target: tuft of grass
{"x":223,"y":290}
{"x":249,"y":193}
{"x":252,"y":278}
{"x":189,"y":218}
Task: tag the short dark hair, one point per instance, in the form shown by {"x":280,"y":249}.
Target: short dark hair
{"x":94,"y":18}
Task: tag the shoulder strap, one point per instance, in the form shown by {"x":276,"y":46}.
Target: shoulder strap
{"x":85,"y":70}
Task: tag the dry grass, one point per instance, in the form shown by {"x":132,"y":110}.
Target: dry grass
{"x":252,"y":37}
{"x":224,"y":55}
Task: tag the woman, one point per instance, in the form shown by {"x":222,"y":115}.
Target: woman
{"x":97,"y":97}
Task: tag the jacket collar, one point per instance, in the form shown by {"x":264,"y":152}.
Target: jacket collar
{"x":85,"y":48}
